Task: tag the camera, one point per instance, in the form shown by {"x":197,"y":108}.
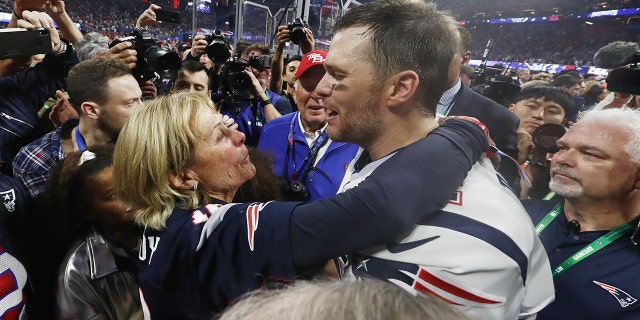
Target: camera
{"x":153,"y":61}
{"x":234,"y":83}
{"x":293,"y":190}
{"x":493,"y":84}
{"x":298,"y":36}
{"x":546,"y":136}
{"x":217,"y":48}
{"x":18,"y":42}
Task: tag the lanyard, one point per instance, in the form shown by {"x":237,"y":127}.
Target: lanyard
{"x":593,"y":247}
{"x":80,"y":140}
{"x":318,"y":143}
{"x":589,"y":249}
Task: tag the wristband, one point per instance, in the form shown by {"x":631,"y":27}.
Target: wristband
{"x":265,"y":102}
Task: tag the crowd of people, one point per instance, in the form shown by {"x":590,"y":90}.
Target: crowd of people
{"x":360,"y":182}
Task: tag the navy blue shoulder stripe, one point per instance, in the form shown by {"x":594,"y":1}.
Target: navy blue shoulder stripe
{"x":482,"y":231}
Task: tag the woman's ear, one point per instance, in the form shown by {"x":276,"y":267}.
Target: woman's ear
{"x":184,"y":180}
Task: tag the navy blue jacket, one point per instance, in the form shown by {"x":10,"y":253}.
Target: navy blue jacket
{"x":23,"y":94}
{"x":502,"y":125}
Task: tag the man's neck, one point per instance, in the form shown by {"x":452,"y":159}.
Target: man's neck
{"x":311,"y":128}
{"x":407,"y":131}
{"x":91,"y":134}
{"x":597,"y":215}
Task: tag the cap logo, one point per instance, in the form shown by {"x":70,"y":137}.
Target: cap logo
{"x":315,"y":58}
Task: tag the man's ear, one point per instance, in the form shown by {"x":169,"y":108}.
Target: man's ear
{"x":90,"y":109}
{"x":184,"y":180}
{"x":403,"y":87}
{"x":511,"y":106}
{"x":466,"y":58}
{"x":637,"y":183}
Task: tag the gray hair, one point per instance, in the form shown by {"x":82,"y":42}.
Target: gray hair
{"x":625,"y":118}
{"x":364,"y":300}
{"x":92,"y":44}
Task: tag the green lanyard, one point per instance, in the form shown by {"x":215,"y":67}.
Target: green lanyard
{"x":589,"y":249}
{"x":551,"y":215}
{"x":593,"y":247}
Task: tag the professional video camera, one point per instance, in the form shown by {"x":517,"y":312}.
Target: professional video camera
{"x":298,"y":36}
{"x":218,"y":48}
{"x":624,"y":59}
{"x":18,"y":42}
{"x":153,"y":61}
{"x":234,"y":84}
{"x":493,"y":83}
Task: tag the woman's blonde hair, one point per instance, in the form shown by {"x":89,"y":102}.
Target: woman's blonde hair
{"x":159,"y":138}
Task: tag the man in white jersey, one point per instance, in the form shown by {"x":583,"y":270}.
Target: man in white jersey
{"x":480,"y":252}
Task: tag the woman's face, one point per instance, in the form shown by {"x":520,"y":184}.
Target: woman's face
{"x":221,"y":161}
{"x":103,"y":205}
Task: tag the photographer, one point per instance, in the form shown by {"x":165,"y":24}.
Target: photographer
{"x":23,"y":93}
{"x":536,"y":106}
{"x":242,"y":93}
{"x":284,"y":36}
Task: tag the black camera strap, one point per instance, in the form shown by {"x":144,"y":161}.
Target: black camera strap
{"x":309,"y":160}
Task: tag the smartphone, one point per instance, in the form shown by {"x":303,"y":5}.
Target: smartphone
{"x":171,"y":16}
{"x":15,"y":42}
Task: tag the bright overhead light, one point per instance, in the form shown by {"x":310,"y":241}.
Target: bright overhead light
{"x":588,"y":22}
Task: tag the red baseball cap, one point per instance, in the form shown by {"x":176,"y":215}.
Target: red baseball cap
{"x":311,"y":59}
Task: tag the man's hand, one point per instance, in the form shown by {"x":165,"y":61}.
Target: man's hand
{"x":123,"y":52}
{"x":33,"y":19}
{"x":229,"y":122}
{"x":62,"y":110}
{"x":55,"y":8}
{"x":525,"y":145}
{"x":148,"y":17}
{"x":256,"y":88}
{"x":310,"y":43}
{"x":198,"y":46}
{"x":283,"y":36}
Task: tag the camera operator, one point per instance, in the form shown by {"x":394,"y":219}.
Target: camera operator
{"x":284,"y":37}
{"x":255,"y":106}
{"x":536,"y":106}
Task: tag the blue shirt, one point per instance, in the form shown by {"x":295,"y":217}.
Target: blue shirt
{"x":605,"y":285}
{"x":249,"y":115}
{"x":323,"y":179}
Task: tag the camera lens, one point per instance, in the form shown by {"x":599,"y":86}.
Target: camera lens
{"x":298,"y":36}
{"x":164,"y":62}
{"x":239,"y":82}
{"x":546,"y":136}
{"x":218,"y":51}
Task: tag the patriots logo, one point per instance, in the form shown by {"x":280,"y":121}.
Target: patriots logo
{"x":623,"y":298}
{"x":9,"y":199}
{"x":253,"y":217}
